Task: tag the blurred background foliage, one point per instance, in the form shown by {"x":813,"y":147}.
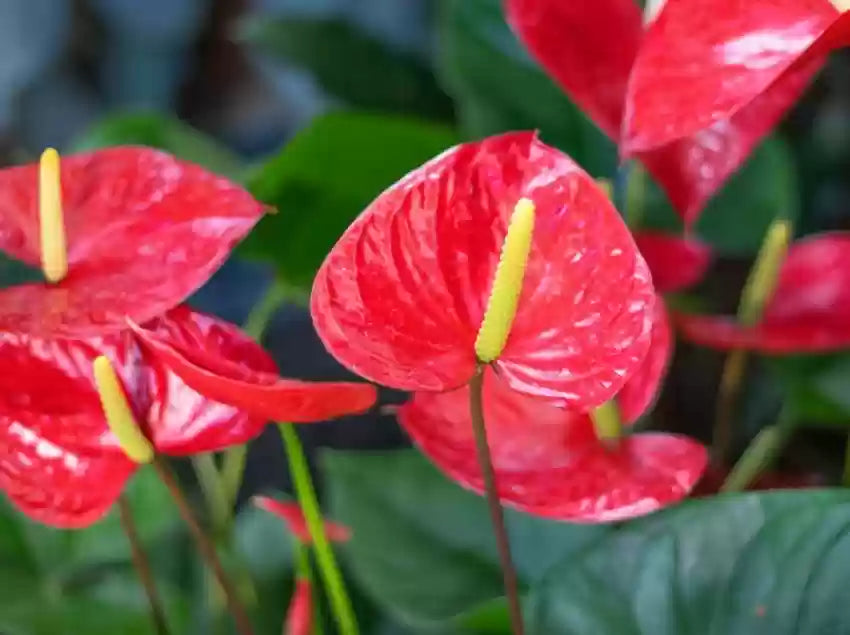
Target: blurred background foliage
{"x":316,"y":106}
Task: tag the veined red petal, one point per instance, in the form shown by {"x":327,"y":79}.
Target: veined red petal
{"x":675,"y":262}
{"x":216,"y":359}
{"x":809,"y":310}
{"x":144,"y":230}
{"x":548,"y":460}
{"x":638,"y":394}
{"x":292,"y":515}
{"x":299,"y":616}
{"x":704,"y":61}
{"x":587,"y":47}
{"x":400,"y":298}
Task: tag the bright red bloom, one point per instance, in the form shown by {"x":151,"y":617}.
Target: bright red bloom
{"x":143,"y":231}
{"x":725,"y":71}
{"x":676,"y":262}
{"x":299,"y":616}
{"x":599,"y":53}
{"x":294,"y":518}
{"x":548,"y":460}
{"x":401,"y":297}
{"x":809,"y":310}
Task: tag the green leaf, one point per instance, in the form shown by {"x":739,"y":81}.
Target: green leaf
{"x":325,"y":177}
{"x":498,"y":87}
{"x":163,"y":132}
{"x":736,"y":219}
{"x":350,"y":64}
{"x":773,"y":563}
{"x":816,"y":386}
{"x":423,"y":548}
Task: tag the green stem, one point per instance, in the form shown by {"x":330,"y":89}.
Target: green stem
{"x":635,"y":203}
{"x":142,"y":566}
{"x":255,"y":326}
{"x":731,"y":381}
{"x":212,"y":488}
{"x":845,"y":479}
{"x":761,"y":453}
{"x":497,"y":518}
{"x":606,"y":422}
{"x":205,"y":547}
{"x":331,"y":576}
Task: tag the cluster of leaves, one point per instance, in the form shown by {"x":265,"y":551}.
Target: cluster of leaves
{"x":422,"y":551}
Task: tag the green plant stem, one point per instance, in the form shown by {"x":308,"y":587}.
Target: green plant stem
{"x":635,"y":196}
{"x":205,"y":547}
{"x":255,"y":326}
{"x":212,"y":488}
{"x":497,"y":518}
{"x":731,"y":380}
{"x":760,"y":453}
{"x":302,"y":482}
{"x":142,"y":566}
{"x":845,"y":477}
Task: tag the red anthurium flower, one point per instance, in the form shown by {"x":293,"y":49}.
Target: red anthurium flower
{"x":548,"y":460}
{"x":299,"y":616}
{"x":601,"y":56}
{"x":809,"y":310}
{"x":401,"y":297}
{"x":140,"y":231}
{"x":294,"y":518}
{"x":725,"y":71}
{"x":143,"y":231}
{"x":676,"y":262}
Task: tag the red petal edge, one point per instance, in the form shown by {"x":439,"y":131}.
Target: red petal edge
{"x":299,"y":615}
{"x":144,"y":230}
{"x":676,"y":262}
{"x":292,"y":515}
{"x":401,"y":296}
{"x":217,"y":360}
{"x":548,"y":461}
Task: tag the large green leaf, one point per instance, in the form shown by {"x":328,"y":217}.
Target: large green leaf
{"x":736,"y":219}
{"x":423,"y":548}
{"x":163,"y":132}
{"x":773,"y":563}
{"x":350,"y":64}
{"x":498,"y":87}
{"x":325,"y":176}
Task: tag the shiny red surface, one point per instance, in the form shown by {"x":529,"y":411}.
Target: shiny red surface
{"x":675,"y":262}
{"x":809,"y":310}
{"x":292,"y":515}
{"x":401,"y":296}
{"x":548,"y":461}
{"x":216,"y":359}
{"x":299,"y":615}
{"x":599,"y":55}
{"x":144,"y":230}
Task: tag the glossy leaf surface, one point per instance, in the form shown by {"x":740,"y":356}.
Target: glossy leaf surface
{"x":216,"y":359}
{"x":771,"y":563}
{"x":144,"y":230}
{"x":401,"y":296}
{"x":422,"y":548}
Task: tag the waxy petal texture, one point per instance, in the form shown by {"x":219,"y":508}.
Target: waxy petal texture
{"x":704,"y":61}
{"x":216,"y":359}
{"x":144,"y":230}
{"x":59,"y":463}
{"x":809,"y":310}
{"x":548,"y":460}
{"x":599,"y":55}
{"x":400,"y":298}
{"x":675,"y":262}
{"x":292,"y":515}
